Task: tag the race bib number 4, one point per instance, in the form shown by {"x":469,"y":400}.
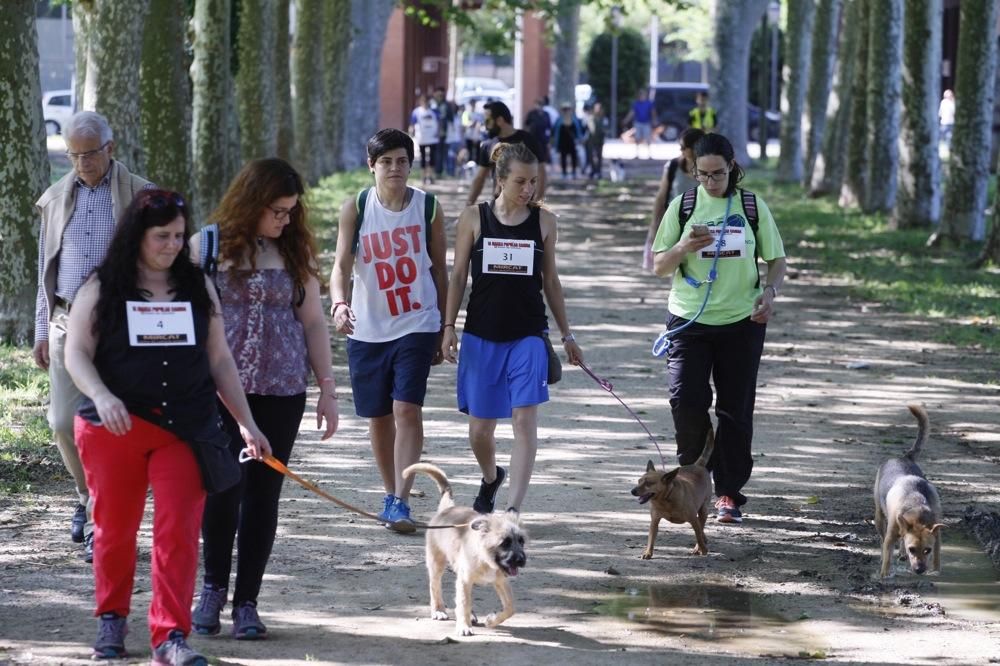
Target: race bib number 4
{"x":734,"y":245}
{"x":159,"y":324}
{"x":508,"y":257}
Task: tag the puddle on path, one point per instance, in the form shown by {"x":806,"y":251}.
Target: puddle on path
{"x":967,"y":588}
{"x":715,"y":611}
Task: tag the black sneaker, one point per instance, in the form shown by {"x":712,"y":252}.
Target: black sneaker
{"x":110,"y":643}
{"x":77,"y":524}
{"x":487,"y":496}
{"x":88,"y":548}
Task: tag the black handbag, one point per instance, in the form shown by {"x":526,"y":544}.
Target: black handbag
{"x":219,"y":469}
{"x":555,"y":365}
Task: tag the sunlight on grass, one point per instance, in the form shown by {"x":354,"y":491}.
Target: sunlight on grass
{"x":26,"y":455}
{"x":889,"y":266}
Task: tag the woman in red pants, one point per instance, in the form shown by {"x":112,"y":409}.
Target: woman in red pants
{"x":147,"y":349}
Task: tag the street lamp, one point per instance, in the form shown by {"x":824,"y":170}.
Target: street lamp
{"x":616,"y":23}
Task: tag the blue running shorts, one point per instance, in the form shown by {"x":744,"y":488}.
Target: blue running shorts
{"x":495,"y":377}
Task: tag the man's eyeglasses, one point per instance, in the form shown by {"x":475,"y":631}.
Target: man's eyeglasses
{"x":281,"y":213}
{"x":715,"y":176}
{"x":76,"y":157}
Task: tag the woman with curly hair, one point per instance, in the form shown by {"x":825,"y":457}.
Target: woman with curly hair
{"x":266,"y":272}
{"x":148,"y":394}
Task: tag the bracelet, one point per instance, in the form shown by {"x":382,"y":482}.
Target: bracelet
{"x":772,"y":288}
{"x":332,"y":395}
{"x":448,"y":325}
{"x":338,"y":304}
{"x":568,"y":338}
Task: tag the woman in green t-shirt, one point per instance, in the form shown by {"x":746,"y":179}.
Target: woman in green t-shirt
{"x":720,"y":229}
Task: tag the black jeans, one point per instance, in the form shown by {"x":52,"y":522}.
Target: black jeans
{"x":730,"y":356}
{"x":250,"y":508}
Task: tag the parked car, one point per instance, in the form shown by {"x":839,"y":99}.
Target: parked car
{"x":57,"y":107}
{"x":673,"y":101}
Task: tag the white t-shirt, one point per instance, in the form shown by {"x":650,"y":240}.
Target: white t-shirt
{"x":946,"y":111}
{"x":394,"y":294}
{"x":425,"y":126}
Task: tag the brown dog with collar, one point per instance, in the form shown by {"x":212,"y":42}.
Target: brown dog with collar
{"x":680,"y":496}
{"x":907,"y":507}
{"x":480,"y":548}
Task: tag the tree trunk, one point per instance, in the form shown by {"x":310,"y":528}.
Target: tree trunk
{"x":255,"y":89}
{"x":307,"y":63}
{"x":885,"y":81}
{"x":283,"y":84}
{"x":83,"y":11}
{"x":369,"y":20}
{"x":564,"y":56}
{"x":919,"y":198}
{"x":25,"y":169}
{"x":212,"y":90}
{"x":991,"y":250}
{"x":336,"y":41}
{"x":165,"y":97}
{"x":856,"y":167}
{"x":968,"y":167}
{"x":828,"y":172}
{"x":734,"y":23}
{"x":821,"y":66}
{"x":112,"y":88}
{"x":798,"y":45}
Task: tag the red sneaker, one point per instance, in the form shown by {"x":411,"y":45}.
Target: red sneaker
{"x":728,"y":511}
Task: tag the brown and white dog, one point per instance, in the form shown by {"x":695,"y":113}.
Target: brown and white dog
{"x":680,"y":496}
{"x":907,"y":507}
{"x":481,"y":549}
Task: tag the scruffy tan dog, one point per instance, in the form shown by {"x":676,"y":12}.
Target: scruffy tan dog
{"x":680,"y":496}
{"x":484,"y":549}
{"x":907,"y":507}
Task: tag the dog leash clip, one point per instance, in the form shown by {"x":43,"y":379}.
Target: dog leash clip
{"x":245,"y":455}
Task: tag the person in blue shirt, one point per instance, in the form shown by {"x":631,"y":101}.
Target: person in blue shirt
{"x":642,"y":115}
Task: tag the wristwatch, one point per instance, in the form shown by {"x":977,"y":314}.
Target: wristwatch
{"x":568,"y":338}
{"x":772,"y":288}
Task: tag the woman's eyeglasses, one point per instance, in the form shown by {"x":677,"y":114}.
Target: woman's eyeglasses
{"x":281,"y":213}
{"x":715,"y":176}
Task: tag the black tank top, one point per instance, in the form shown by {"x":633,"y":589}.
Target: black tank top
{"x":504,"y":307}
{"x":171,"y":387}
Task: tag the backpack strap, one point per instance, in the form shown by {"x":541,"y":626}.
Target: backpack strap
{"x":749,"y":201}
{"x":672,"y":167}
{"x":209,"y":250}
{"x":430,"y":210}
{"x":359,"y":205}
{"x":688,"y":201}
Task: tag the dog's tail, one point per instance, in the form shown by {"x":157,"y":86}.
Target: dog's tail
{"x":706,"y":452}
{"x":436,"y":473}
{"x":923,"y":424}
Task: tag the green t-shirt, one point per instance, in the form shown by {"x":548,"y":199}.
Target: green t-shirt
{"x":734,"y":292}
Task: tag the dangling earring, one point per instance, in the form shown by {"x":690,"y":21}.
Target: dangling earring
{"x":260,"y":242}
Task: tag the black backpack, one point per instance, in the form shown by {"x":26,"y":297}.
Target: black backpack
{"x":749,"y":200}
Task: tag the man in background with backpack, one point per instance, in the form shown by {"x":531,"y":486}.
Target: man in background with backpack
{"x":391,"y":238}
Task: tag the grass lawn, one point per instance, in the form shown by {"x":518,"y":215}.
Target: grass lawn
{"x":894,"y":267}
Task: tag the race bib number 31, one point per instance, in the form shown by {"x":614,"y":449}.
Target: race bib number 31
{"x":508,"y":256}
{"x":159,"y":324}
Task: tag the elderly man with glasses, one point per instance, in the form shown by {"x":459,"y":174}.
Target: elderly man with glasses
{"x":78,"y":216}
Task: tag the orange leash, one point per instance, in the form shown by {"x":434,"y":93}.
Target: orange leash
{"x":280,"y":467}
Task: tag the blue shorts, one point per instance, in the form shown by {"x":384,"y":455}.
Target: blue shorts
{"x":495,"y":377}
{"x":382,"y":372}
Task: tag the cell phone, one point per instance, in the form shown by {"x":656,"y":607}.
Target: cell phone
{"x":699,"y":229}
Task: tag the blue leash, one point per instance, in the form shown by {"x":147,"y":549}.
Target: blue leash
{"x":662,"y":344}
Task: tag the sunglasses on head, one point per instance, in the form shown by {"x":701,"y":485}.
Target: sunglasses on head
{"x":158,"y":201}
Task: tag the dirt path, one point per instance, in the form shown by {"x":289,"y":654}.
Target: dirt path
{"x":797,"y":580}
